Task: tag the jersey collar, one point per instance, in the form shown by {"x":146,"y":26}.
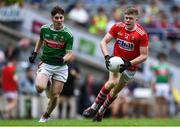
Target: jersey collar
{"x":132,"y":29}
{"x":50,"y":26}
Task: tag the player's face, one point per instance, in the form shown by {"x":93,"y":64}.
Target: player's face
{"x":58,"y":20}
{"x":130,"y":21}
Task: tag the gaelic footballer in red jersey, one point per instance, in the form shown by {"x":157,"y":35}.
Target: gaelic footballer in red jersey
{"x":9,"y":87}
{"x":131,"y":44}
{"x":128,"y":42}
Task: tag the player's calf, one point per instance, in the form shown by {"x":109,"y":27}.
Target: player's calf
{"x":48,"y":89}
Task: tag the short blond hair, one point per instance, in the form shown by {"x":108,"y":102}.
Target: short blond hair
{"x":131,"y":11}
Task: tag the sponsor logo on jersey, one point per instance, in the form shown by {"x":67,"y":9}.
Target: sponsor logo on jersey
{"x":125,"y":45}
{"x":53,"y":44}
{"x":47,"y":35}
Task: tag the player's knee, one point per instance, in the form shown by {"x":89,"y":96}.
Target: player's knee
{"x":110,"y":84}
{"x":39,"y":89}
{"x":114,"y":93}
{"x":55,"y":96}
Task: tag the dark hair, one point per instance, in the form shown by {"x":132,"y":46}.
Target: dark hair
{"x":161,"y":55}
{"x":11,"y":58}
{"x":100,"y":9}
{"x":56,"y":10}
{"x":131,"y":11}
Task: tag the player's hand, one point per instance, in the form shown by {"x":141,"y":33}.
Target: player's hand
{"x":124,"y":66}
{"x":33,"y":57}
{"x":107,"y":57}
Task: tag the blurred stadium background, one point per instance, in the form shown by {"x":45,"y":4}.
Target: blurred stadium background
{"x":20,"y":22}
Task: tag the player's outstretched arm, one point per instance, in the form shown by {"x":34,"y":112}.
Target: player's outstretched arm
{"x":103,"y":45}
{"x":107,"y":38}
{"x":35,"y":52}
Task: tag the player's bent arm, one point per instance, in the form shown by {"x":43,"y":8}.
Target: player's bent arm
{"x":38,"y":46}
{"x":68,"y":56}
{"x":142,"y":57}
{"x":107,"y":38}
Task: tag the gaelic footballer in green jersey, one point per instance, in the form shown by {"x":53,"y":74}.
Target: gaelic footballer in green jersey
{"x":56,"y":41}
{"x":162,"y":85}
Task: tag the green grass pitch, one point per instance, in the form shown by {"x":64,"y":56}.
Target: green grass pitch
{"x":89,"y":123}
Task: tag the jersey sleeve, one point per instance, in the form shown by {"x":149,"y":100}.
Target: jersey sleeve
{"x":41,"y":33}
{"x":144,"y":40}
{"x":112,"y":30}
{"x":69,"y":43}
{"x":154,"y":67}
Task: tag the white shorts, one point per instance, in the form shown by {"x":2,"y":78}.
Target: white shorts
{"x":162,"y":90}
{"x":10,"y":95}
{"x":59,"y":73}
{"x":127,"y":75}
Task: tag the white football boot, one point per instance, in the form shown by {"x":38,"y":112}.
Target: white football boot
{"x":43,"y":119}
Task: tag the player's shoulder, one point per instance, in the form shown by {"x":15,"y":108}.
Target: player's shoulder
{"x":45,"y":26}
{"x":140,"y":30}
{"x":67,"y":30}
{"x":119,"y":24}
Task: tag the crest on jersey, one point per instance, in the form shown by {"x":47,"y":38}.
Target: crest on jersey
{"x":132,"y":38}
{"x":61,"y":39}
{"x":55,"y":36}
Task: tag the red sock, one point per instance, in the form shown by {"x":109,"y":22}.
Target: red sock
{"x":102,"y":95}
{"x":108,"y":101}
{"x":106,"y":104}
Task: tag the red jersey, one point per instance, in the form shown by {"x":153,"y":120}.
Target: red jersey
{"x":8,"y":82}
{"x":128,"y":43}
